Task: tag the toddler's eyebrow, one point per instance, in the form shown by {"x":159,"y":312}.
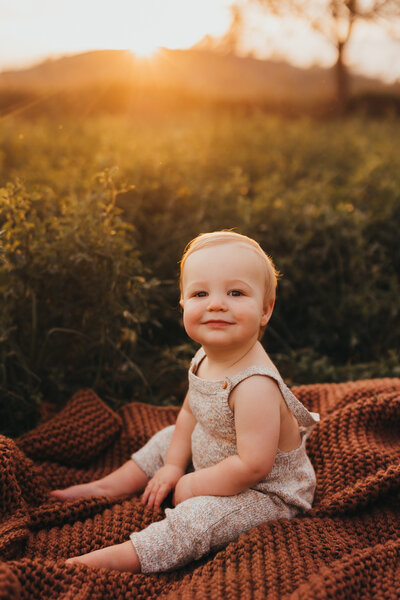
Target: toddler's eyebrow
{"x":197,"y":284}
{"x":238,"y":282}
{"x":230,"y":283}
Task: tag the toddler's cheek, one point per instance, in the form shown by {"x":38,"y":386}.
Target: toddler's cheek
{"x":189,"y":323}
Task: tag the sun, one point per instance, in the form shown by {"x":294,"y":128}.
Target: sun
{"x":144,"y":42}
{"x":171,"y":24}
{"x":145,"y":50}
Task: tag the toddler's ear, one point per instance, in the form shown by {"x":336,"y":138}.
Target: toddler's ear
{"x":181,"y":303}
{"x":267,"y":312}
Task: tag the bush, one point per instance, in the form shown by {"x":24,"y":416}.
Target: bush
{"x":74,"y":295}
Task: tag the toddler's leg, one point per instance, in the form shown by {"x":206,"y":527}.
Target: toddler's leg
{"x":188,"y":532}
{"x":132,"y":477}
{"x":203,"y":523}
{"x":128,"y":479}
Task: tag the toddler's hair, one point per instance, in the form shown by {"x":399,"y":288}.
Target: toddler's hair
{"x":205,"y":240}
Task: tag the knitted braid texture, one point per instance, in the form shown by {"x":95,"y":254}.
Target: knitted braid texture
{"x":347,"y":546}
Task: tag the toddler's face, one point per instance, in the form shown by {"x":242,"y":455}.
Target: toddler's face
{"x":223,"y":289}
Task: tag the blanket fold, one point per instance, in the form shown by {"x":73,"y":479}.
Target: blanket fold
{"x":81,"y":431}
{"x":347,"y":546}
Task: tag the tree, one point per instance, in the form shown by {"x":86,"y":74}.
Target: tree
{"x":335,"y":19}
{"x":230,"y":42}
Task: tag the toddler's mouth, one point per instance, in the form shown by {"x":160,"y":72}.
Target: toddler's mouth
{"x":217,"y":323}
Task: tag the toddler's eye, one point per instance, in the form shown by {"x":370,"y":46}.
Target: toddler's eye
{"x":236,"y":293}
{"x":200,"y":294}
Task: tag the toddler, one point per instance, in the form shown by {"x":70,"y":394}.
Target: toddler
{"x":236,"y":456}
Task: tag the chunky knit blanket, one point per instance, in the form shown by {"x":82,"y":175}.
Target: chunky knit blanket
{"x":347,"y":546}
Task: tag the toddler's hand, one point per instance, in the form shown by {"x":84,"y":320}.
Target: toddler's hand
{"x":183,"y":489}
{"x":161,"y":484}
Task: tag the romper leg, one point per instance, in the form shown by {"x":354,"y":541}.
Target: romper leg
{"x":151,"y":456}
{"x":202,"y":524}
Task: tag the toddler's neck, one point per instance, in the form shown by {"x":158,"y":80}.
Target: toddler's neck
{"x":222,"y":362}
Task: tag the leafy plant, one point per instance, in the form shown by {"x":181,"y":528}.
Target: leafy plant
{"x":74,"y":293}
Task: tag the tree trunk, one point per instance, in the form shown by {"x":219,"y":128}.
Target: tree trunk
{"x":342,"y":81}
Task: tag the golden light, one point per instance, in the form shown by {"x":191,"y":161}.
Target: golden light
{"x":171,"y":24}
{"x":33,"y":31}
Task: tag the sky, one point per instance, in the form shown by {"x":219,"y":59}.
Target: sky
{"x":32,"y":30}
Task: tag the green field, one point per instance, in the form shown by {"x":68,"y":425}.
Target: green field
{"x":95,"y":213}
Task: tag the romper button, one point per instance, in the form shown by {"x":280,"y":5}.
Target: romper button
{"x":224,"y":385}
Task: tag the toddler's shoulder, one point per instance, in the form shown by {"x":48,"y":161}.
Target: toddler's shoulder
{"x":257,"y":388}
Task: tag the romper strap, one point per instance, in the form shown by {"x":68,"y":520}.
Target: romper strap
{"x":197,"y":358}
{"x":303,"y":416}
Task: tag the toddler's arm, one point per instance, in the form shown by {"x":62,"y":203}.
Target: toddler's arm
{"x":257,"y":423}
{"x":176,"y":460}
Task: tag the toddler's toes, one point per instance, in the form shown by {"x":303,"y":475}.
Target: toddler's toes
{"x":72,"y":561}
{"x":57,"y":494}
{"x":90,"y":560}
{"x":61,"y":494}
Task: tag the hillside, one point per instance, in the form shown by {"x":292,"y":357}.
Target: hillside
{"x":197,"y":71}
{"x":115,"y":81}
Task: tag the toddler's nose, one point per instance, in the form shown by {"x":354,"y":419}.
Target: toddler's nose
{"x":216,"y":302}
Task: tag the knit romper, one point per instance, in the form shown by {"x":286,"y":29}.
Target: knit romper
{"x":205,"y":523}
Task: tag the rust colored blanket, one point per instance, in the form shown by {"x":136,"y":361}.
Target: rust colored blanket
{"x":348,"y":546}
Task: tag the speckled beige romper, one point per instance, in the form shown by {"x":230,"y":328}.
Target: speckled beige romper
{"x":205,"y":523}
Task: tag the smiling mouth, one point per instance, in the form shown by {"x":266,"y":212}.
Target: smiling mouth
{"x":217,"y":323}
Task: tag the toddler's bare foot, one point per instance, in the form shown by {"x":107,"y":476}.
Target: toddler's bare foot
{"x":84,"y":490}
{"x":128,"y":479}
{"x":122,"y":557}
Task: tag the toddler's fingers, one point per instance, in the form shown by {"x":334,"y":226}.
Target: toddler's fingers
{"x":145,"y":496}
{"x":161,"y":494}
{"x":153,"y":495}
{"x":150,"y":493}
